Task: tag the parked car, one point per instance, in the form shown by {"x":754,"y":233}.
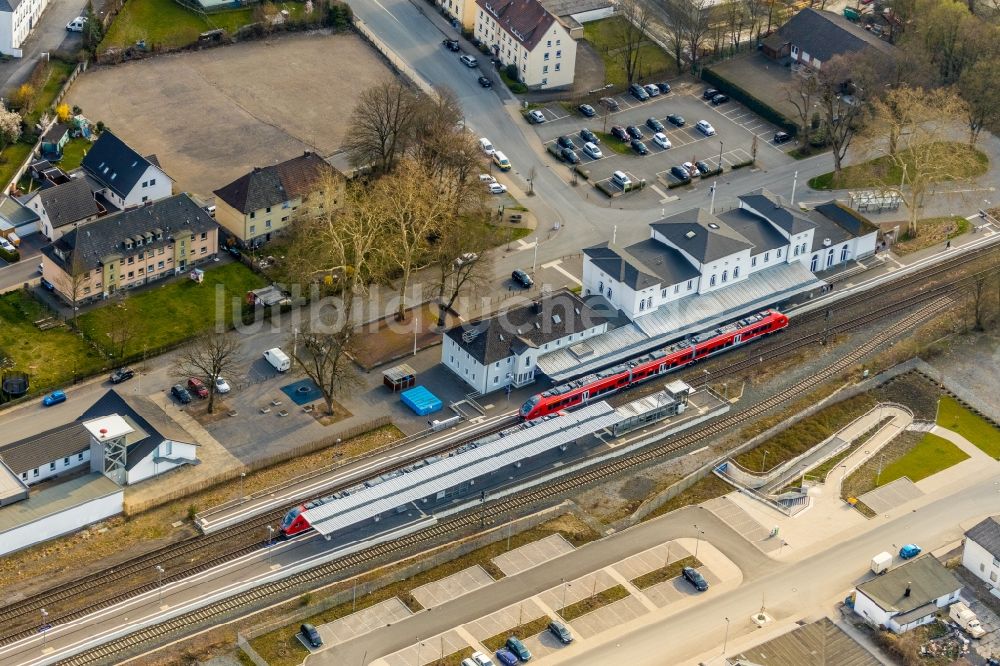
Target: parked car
{"x":310,"y":635}
{"x":486,"y":179}
{"x":705,"y":128}
{"x":565,"y":142}
{"x":451,"y":44}
{"x":48,"y":286}
{"x":664,"y":87}
{"x":221,"y":385}
{"x":587,"y":110}
{"x":694,"y":577}
{"x":515,"y":645}
{"x":782,"y":137}
{"x":709,"y":93}
{"x":569,"y":155}
{"x":703,"y":167}
{"x":54,"y":398}
{"x":620,"y":133}
{"x":592,"y":150}
{"x":611,"y":103}
{"x":481,"y":659}
{"x":485,"y":82}
{"x":661,"y":140}
{"x":680,"y":173}
{"x":676,"y":119}
{"x":180,"y":393}
{"x":536,"y":116}
{"x":639,"y":147}
{"x":469,"y":61}
{"x":634,"y":132}
{"x":486,"y":146}
{"x":691,"y":169}
{"x":654,"y":124}
{"x":652,"y":90}
{"x":522,"y":278}
{"x":122,"y":374}
{"x":497,"y":188}
{"x":197,"y":387}
{"x":720,"y":99}
{"x":638,"y":92}
{"x":909,"y":551}
{"x":77,"y":24}
{"x":559,"y":630}
{"x":6,"y":244}
{"x":506,"y":657}
{"x":589,"y":136}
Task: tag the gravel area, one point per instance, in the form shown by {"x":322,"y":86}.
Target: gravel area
{"x":973,"y":361}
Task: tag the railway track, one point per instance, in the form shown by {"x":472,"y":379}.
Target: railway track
{"x":114,"y":649}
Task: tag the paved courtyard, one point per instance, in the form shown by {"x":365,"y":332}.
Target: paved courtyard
{"x":374,"y":617}
{"x":891,"y":495}
{"x":734,"y":516}
{"x":440,"y":591}
{"x":532,"y":554}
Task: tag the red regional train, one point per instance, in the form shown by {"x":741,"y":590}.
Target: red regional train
{"x":597,"y":385}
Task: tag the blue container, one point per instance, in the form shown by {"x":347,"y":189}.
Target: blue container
{"x":421,"y":401}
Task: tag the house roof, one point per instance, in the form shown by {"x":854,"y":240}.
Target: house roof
{"x":114,"y":164}
{"x":526,"y":21}
{"x":824,"y":34}
{"x":16,"y":213}
{"x":571,"y":7}
{"x":928,"y":580}
{"x":55,"y":133}
{"x":987,"y":534}
{"x":101,"y":238}
{"x":69,"y":202}
{"x":770,"y":206}
{"x":820,"y":643}
{"x":45,"y":447}
{"x":701,"y":235}
{"x":759,"y":233}
{"x":272,"y":185}
{"x":552,"y":317}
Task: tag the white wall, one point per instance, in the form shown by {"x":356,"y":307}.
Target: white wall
{"x":160,"y":189}
{"x":534,"y":69}
{"x":594,"y":14}
{"x":462,"y":364}
{"x":39,"y":474}
{"x":980,"y":562}
{"x":61,"y":523}
{"x":163,"y":459}
{"x":869,"y":610}
{"x":7,"y":35}
{"x":737,"y":264}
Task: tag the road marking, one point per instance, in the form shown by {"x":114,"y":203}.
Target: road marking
{"x":557,"y":266}
{"x":522,"y":245}
{"x":386,"y":11}
{"x":663,"y":195}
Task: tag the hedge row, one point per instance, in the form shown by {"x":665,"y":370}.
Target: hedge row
{"x":763,"y":109}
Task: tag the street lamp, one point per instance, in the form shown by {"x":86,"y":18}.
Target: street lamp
{"x":565,"y":585}
{"x":720,"y":156}
{"x":697,"y":540}
{"x":763,"y":464}
{"x":243,"y":475}
{"x":270,"y":538}
{"x":419,"y":645}
{"x":725,"y":641}
{"x":159,"y":584}
{"x":45,"y":627}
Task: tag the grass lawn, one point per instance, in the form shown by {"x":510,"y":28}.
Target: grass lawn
{"x":515,"y":86}
{"x":50,"y":357}
{"x":603,"y":36}
{"x":882,"y":170}
{"x":953,"y":416}
{"x":11,"y":158}
{"x":701,"y":491}
{"x":73,"y":153}
{"x":669,"y":572}
{"x":170,"y":312}
{"x":168,"y":24}
{"x":608,"y":141}
{"x":931,"y":455}
{"x":931,"y":231}
{"x":59,"y":71}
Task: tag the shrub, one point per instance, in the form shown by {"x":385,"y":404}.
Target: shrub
{"x":8,"y":256}
{"x":583,"y":173}
{"x":677,"y":183}
{"x":101,"y":126}
{"x":740,"y":165}
{"x":512,"y":71}
{"x":605,"y":186}
{"x":23,"y":98}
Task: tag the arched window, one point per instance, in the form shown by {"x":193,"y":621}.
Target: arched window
{"x":725,"y":276}
{"x":736,"y":273}
{"x":813,"y":263}
{"x":829,"y":258}
{"x":843,"y":254}
{"x":711,"y":283}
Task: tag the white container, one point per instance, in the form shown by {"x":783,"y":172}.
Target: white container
{"x":881,"y":563}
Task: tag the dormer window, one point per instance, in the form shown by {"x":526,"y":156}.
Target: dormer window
{"x":128,"y":243}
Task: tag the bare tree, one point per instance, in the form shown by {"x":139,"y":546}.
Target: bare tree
{"x":803,"y":93}
{"x":697,"y":26}
{"x":382,"y":125}
{"x":980,"y":89}
{"x":978,"y":300}
{"x":845,"y":85}
{"x":121,"y":325}
{"x":674,"y":30}
{"x":630,"y":33}
{"x":209,"y":357}
{"x":323,"y":354}
{"x":78,"y":275}
{"x":463,"y":264}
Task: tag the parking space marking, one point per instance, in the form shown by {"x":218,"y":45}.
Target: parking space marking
{"x":556,"y":265}
{"x":663,"y":195}
{"x":522,"y":245}
{"x":555,"y":115}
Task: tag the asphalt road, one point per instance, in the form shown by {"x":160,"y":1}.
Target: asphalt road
{"x":49,"y":34}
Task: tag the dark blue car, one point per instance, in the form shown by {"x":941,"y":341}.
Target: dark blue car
{"x":506,"y":657}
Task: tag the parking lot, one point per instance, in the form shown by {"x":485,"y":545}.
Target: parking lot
{"x":733,"y":143}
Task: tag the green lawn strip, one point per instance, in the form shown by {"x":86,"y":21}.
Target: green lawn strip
{"x":453,"y":659}
{"x":931,"y":231}
{"x":953,"y":416}
{"x":522,"y":631}
{"x":969,"y":163}
{"x":701,"y":491}
{"x":168,"y":24}
{"x":931,"y":455}
{"x":281,"y":648}
{"x":608,"y":141}
{"x":12,"y":157}
{"x":599,"y":600}
{"x":821,"y":470}
{"x":604,"y":36}
{"x":58,"y":72}
{"x":515,"y":86}
{"x":669,"y":572}
{"x":171,"y":312}
{"x":73,"y":153}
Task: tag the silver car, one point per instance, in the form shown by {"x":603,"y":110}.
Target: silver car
{"x":592,"y":150}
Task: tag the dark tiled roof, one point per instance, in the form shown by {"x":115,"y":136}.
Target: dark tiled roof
{"x":532,"y":325}
{"x":770,"y":206}
{"x":526,"y":21}
{"x":610,"y":260}
{"x":69,"y":202}
{"x":643,"y":264}
{"x":55,"y":133}
{"x":820,"y":643}
{"x":272,"y":185}
{"x":693,"y":232}
{"x":987,"y":534}
{"x":41,"y":449}
{"x":115,"y":164}
{"x":761,"y":234}
{"x":105,"y":236}
{"x":852,"y":222}
{"x":145,"y":414}
{"x":928,"y":580}
{"x":824,"y":34}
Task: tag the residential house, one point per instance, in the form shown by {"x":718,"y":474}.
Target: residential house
{"x":981,"y":552}
{"x":17,"y":18}
{"x":59,"y":207}
{"x":501,"y":350}
{"x":525,"y":34}
{"x":130,"y":248}
{"x":908,"y":596}
{"x":122,"y":176}
{"x":15,"y":216}
{"x":812,"y":37}
{"x":261,"y":203}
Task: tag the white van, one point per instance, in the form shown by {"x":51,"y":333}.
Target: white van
{"x":77,"y":24}
{"x":619,"y":178}
{"x":486,"y":146}
{"x":501,"y":161}
{"x":278,"y":359}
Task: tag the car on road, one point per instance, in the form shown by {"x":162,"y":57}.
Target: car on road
{"x":709,"y":93}
{"x":451,"y":44}
{"x":54,"y":398}
{"x":515,"y":645}
{"x":469,"y":61}
{"x":909,"y":551}
{"x":652,"y":90}
{"x":77,"y":24}
{"x":569,"y":155}
{"x":565,"y":142}
{"x":310,"y":635}
{"x":680,"y":173}
{"x":654,"y":124}
{"x":587,"y":110}
{"x":638,"y":92}
{"x":486,"y":179}
{"x":694,"y":577}
{"x":481,"y":659}
{"x":720,"y":99}
{"x":497,"y":188}
{"x":197,"y":387}
{"x":703,"y":167}
{"x":705,"y":128}
{"x":676,"y":120}
{"x":620,"y":133}
{"x":221,"y":385}
{"x":506,"y":657}
{"x":639,"y":147}
{"x":180,"y":393}
{"x":634,"y":132}
{"x":536,"y":116}
{"x":485,"y":82}
{"x":782,"y":137}
{"x":559,"y":630}
{"x":611,"y":103}
{"x":122,"y":374}
{"x":664,"y":87}
{"x":522,"y":278}
{"x":589,"y":136}
{"x":661,"y":140}
{"x":486,"y":146}
{"x":592,"y":150}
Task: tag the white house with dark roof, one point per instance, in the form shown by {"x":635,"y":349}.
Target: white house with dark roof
{"x":812,"y":37}
{"x":17,"y":18}
{"x":525,"y":34}
{"x":907,"y":596}
{"x":123,"y":176}
{"x":59,"y":207}
{"x":981,"y":552}
{"x":500,"y":350}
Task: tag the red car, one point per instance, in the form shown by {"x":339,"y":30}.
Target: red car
{"x":197,"y":387}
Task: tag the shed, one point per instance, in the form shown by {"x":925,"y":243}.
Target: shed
{"x":421,"y":401}
{"x":54,"y":139}
{"x":267,"y":296}
{"x":399,"y":377}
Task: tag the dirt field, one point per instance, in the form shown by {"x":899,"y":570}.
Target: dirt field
{"x":213,"y":115}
